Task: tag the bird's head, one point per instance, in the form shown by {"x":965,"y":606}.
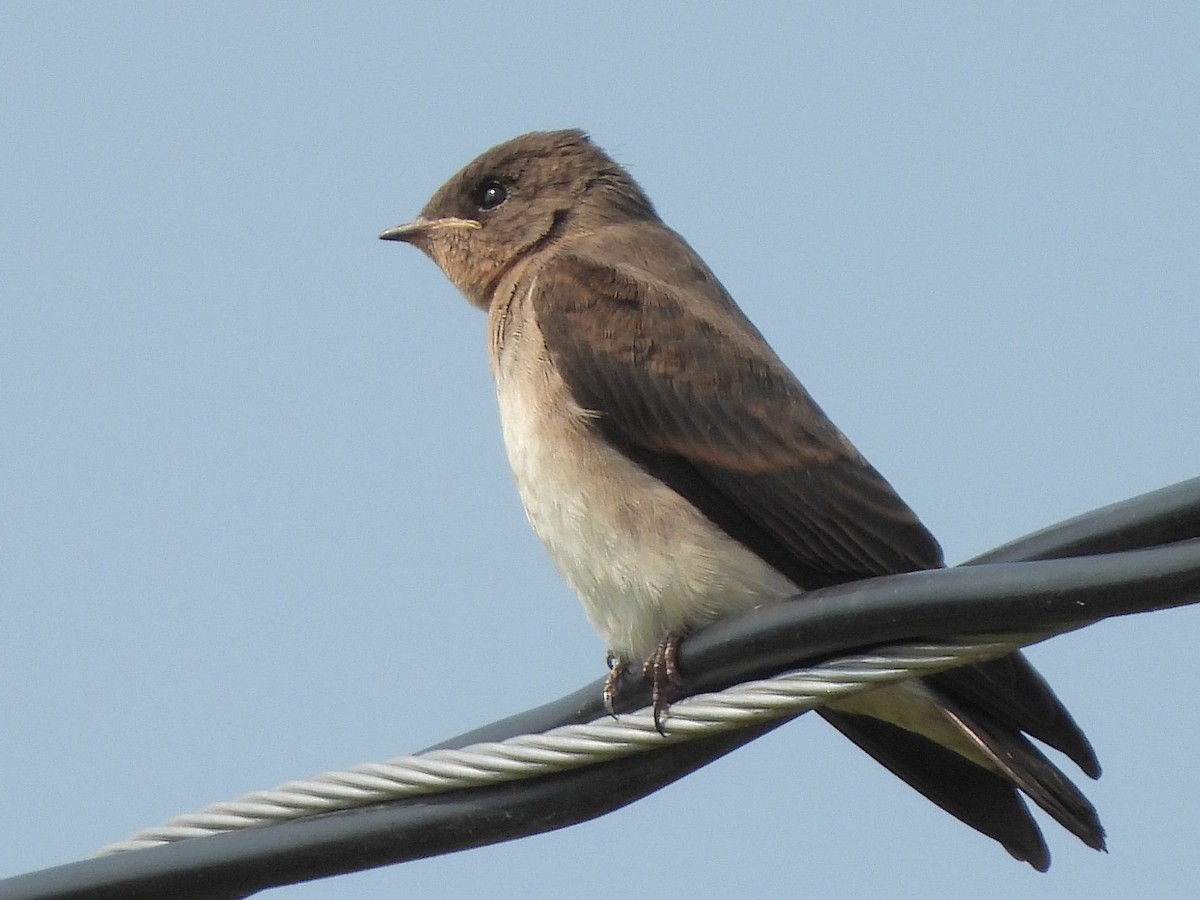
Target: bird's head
{"x":516,"y":198}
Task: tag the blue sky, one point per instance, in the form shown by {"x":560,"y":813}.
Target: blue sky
{"x":255,"y":517}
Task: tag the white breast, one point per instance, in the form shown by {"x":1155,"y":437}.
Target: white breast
{"x":643,"y":560}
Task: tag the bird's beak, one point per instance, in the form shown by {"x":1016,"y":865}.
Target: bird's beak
{"x":420,"y":226}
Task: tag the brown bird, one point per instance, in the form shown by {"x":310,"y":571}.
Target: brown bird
{"x":677,"y":471}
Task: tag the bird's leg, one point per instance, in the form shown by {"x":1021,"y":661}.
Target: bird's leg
{"x":662,"y":668}
{"x":616,"y":668}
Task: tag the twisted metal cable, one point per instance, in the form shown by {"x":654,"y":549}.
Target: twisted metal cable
{"x":573,"y":746}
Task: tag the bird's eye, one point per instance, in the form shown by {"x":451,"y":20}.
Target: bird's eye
{"x":489,"y":193}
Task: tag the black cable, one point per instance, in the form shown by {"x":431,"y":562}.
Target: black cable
{"x":1149,"y":559}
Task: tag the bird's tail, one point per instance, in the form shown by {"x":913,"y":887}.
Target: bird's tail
{"x":992,"y":762}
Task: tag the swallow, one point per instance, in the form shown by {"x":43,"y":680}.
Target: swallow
{"x":676,"y":471}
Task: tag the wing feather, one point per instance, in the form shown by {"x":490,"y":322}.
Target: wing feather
{"x":713,"y":412}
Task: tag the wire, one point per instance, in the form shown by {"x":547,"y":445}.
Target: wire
{"x":1135,"y":556}
{"x":572,"y":746}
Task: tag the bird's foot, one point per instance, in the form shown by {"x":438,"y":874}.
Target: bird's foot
{"x":662,"y":669}
{"x":616,"y":668}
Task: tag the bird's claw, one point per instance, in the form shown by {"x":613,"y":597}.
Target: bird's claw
{"x":616,"y":668}
{"x":662,"y":670}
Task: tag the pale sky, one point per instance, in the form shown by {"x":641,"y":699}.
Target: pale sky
{"x":255,"y":517}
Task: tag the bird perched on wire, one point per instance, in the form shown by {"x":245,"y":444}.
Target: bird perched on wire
{"x":677,"y":471}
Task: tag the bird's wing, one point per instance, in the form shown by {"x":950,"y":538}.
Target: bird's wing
{"x":684,"y":384}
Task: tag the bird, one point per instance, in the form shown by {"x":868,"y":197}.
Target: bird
{"x":677,"y":471}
